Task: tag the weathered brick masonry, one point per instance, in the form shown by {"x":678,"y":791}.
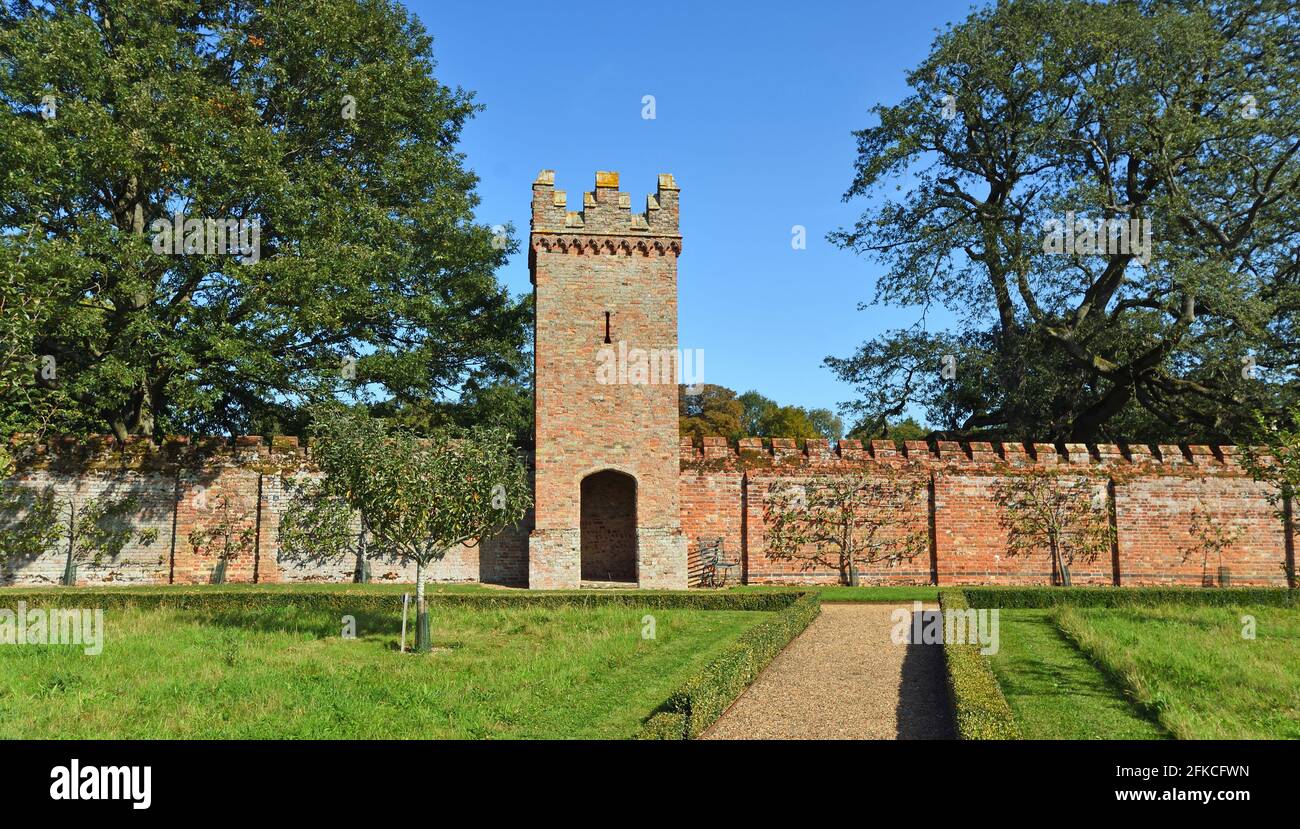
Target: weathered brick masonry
{"x":605,"y":284}
{"x":619,"y":497}
{"x":722,"y":491}
{"x":185,"y":485}
{"x":1152,"y":491}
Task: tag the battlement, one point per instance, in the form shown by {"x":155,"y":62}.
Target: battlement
{"x":139,"y":452}
{"x":786,"y":452}
{"x":105,"y":452}
{"x":605,"y":211}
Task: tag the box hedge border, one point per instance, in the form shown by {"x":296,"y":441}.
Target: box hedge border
{"x":703,"y":698}
{"x":226,"y":599}
{"x":1008,"y":598}
{"x":979,"y":709}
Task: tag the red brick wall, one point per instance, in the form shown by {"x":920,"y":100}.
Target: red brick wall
{"x":182,"y":486}
{"x":712,"y":507}
{"x":763,"y":484}
{"x":138,"y":563}
{"x":722,"y":492}
{"x":1154,"y":519}
{"x":1151,"y":490}
{"x":212,"y":498}
{"x":503,"y":558}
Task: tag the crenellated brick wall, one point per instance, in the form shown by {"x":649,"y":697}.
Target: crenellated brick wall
{"x":1150,"y":491}
{"x":185,"y":485}
{"x":605,"y":276}
{"x":723,"y":491}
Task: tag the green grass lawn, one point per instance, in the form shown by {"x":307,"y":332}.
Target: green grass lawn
{"x":1052,"y":688}
{"x":1193,"y":670}
{"x":284,"y":672}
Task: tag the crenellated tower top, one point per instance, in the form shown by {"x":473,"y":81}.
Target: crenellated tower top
{"x":605,"y":211}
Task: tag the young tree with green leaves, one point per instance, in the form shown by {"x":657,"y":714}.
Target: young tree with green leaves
{"x":845,"y":521}
{"x":418,"y":496}
{"x":320,"y":124}
{"x":1065,"y":516}
{"x":226,"y":533}
{"x":1210,"y":538}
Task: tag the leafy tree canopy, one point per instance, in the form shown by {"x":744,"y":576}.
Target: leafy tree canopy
{"x":1182,"y":116}
{"x":714,"y":411}
{"x":719,"y":411}
{"x":906,"y":429}
{"x":321,"y":127}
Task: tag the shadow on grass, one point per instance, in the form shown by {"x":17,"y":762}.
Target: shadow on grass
{"x":385,"y":628}
{"x":1113,"y":682}
{"x":368,"y":623}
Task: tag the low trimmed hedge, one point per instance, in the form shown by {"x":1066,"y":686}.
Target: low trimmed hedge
{"x":1047,"y":597}
{"x":227,"y":600}
{"x":703,"y":698}
{"x":665,"y":725}
{"x":979,"y":709}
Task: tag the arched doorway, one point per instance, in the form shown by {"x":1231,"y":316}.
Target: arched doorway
{"x":608,"y":527}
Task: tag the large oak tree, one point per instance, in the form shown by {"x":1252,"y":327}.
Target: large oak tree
{"x":1182,"y":113}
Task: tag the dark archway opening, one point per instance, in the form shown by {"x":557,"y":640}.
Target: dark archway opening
{"x":608,"y":527}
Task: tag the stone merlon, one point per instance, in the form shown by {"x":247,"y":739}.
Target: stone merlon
{"x":605,"y":211}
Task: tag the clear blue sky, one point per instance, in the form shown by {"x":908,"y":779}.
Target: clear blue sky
{"x":755,"y":103}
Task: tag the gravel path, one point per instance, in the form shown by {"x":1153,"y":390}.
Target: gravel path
{"x":843,"y":678}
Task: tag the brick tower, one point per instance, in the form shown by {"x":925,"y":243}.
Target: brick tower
{"x":605,"y":286}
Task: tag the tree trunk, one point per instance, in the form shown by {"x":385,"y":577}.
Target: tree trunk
{"x":70,"y":566}
{"x":362,"y":574}
{"x":1062,"y":573}
{"x":422,"y":644}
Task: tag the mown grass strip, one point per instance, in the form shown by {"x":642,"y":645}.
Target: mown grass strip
{"x":287,"y":672}
{"x":1205,"y":673}
{"x":1053,"y":689}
